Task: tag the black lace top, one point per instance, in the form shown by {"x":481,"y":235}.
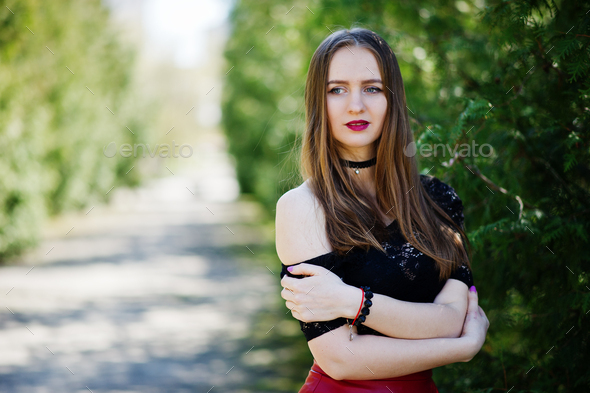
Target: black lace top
{"x":404,"y":273}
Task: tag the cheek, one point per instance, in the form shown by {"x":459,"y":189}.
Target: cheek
{"x":334,"y":109}
{"x":381,"y":108}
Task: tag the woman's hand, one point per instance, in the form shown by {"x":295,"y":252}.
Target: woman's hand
{"x":319,"y":297}
{"x":475,"y":327}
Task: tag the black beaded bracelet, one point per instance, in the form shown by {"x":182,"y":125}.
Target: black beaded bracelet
{"x":368,"y":303}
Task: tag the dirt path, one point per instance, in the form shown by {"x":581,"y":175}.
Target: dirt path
{"x":138,"y":296}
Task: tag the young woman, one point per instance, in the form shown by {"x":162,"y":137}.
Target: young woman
{"x":366,"y":221}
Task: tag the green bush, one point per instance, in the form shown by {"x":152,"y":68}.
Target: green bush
{"x":511,"y":74}
{"x":61,"y":66}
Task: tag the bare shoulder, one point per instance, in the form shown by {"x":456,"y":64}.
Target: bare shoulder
{"x":300,"y":226}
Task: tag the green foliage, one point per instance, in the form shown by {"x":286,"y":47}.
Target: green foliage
{"x":61,"y":66}
{"x":511,"y":74}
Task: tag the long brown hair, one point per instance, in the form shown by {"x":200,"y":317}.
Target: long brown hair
{"x":352,"y":217}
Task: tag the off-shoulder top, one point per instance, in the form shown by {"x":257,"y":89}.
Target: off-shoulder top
{"x":403,"y":273}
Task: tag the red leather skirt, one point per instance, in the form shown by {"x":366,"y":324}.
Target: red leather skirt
{"x":319,"y":382}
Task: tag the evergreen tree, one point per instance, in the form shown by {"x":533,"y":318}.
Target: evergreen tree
{"x":512,"y":76}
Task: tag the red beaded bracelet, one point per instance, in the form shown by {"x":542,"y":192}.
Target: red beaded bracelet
{"x":357,"y":314}
{"x":363,"y":312}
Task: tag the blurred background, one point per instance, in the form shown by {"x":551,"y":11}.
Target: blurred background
{"x":144,"y":144}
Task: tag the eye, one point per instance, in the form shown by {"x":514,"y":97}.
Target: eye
{"x":336,"y":88}
{"x":376,"y":90}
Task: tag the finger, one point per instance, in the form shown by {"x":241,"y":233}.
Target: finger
{"x":290,"y":284}
{"x":472,"y":304}
{"x":305,"y":269}
{"x":284,"y":294}
{"x":286,"y":281}
{"x":483,"y":315}
{"x":287,"y":293}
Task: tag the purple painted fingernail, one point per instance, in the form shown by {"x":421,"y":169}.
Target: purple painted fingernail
{"x":472,"y":289}
{"x":290,"y":268}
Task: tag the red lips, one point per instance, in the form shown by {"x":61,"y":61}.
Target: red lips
{"x":356,"y":122}
{"x":357,"y":125}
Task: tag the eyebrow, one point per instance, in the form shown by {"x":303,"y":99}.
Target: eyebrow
{"x":346,"y":82}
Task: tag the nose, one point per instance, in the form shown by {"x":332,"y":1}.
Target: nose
{"x":355,"y":103}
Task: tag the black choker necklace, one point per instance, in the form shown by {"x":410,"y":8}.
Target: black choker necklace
{"x":359,"y":164}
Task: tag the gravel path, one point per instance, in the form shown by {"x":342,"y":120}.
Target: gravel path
{"x":142,"y":295}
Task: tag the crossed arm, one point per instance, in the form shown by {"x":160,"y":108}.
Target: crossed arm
{"x":368,"y":356}
{"x":376,"y":357}
{"x":396,"y":318}
{"x":421,"y":336}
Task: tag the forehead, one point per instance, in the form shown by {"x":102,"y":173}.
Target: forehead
{"x":353,"y":65}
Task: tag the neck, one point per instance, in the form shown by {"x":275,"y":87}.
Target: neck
{"x":365,"y":178}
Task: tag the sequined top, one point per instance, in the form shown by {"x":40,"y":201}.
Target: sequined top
{"x":403,"y":273}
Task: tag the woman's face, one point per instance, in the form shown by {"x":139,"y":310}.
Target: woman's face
{"x":355,"y":93}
